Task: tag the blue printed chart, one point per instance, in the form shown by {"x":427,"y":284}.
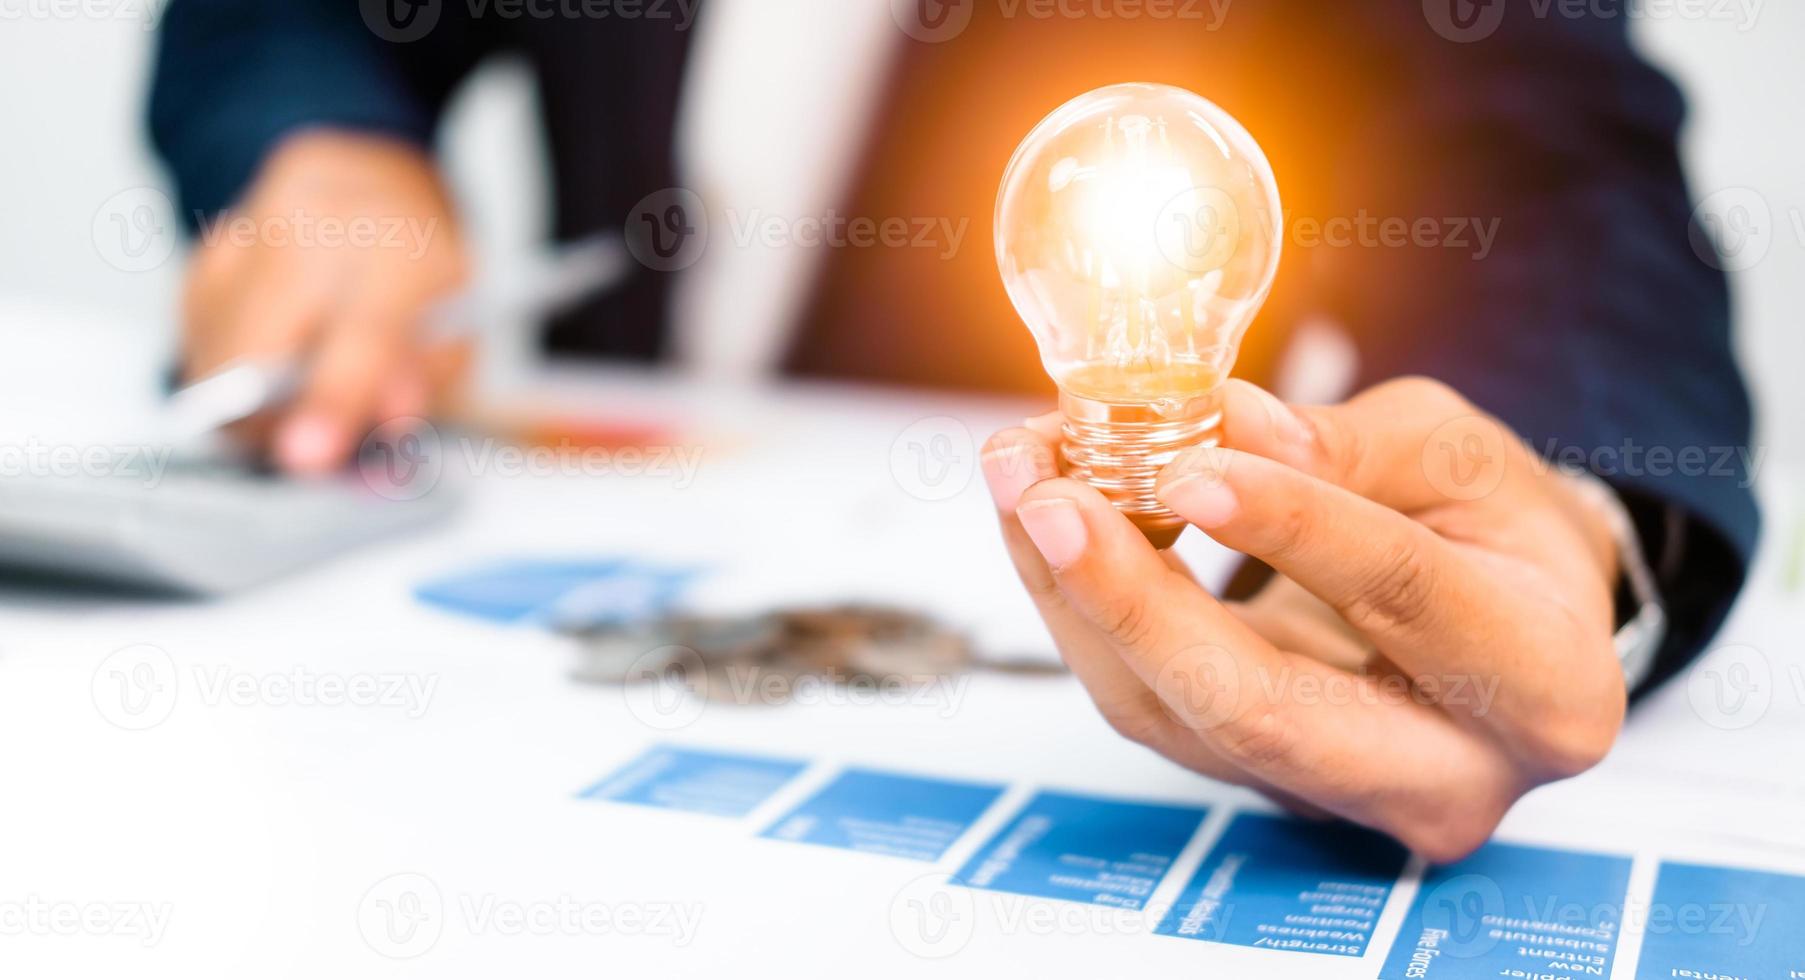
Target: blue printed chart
{"x":1275,"y":883}
{"x":887,"y":813}
{"x":1514,"y":911}
{"x":1084,"y":849}
{"x":718,"y":783}
{"x":1270,"y":882}
{"x":1724,"y":922}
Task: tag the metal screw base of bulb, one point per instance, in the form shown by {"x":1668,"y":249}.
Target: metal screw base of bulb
{"x":1120,"y":449}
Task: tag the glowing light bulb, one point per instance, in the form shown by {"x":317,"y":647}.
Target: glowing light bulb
{"x":1138,"y":232}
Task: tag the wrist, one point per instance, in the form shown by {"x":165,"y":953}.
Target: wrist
{"x":1599,"y":516}
{"x":331,"y":145}
{"x":324,"y":164}
{"x":1639,"y":618}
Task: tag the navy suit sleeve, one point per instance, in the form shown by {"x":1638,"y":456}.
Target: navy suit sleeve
{"x":235,"y":76}
{"x":1596,"y":322}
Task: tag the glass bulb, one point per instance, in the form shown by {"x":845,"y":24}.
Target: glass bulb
{"x":1138,"y":232}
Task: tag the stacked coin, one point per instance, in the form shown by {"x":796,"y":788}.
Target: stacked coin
{"x":725,"y":657}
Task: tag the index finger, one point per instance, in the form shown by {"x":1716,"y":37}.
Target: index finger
{"x":1313,"y":731}
{"x":356,"y":361}
{"x":1014,"y":460}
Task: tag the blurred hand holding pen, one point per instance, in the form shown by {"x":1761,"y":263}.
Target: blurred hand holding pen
{"x":542,"y":286}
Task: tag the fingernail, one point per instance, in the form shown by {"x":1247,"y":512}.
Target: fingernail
{"x":1057,"y":530}
{"x":309,"y":444}
{"x":1203,"y":498}
{"x":1285,"y":423}
{"x":1010,"y":471}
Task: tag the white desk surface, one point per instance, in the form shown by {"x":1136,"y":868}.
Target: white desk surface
{"x":261,"y":829}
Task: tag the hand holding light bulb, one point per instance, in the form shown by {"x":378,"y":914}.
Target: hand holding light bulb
{"x":1439,"y":638}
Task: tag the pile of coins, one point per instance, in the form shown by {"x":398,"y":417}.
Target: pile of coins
{"x":721,"y":657}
